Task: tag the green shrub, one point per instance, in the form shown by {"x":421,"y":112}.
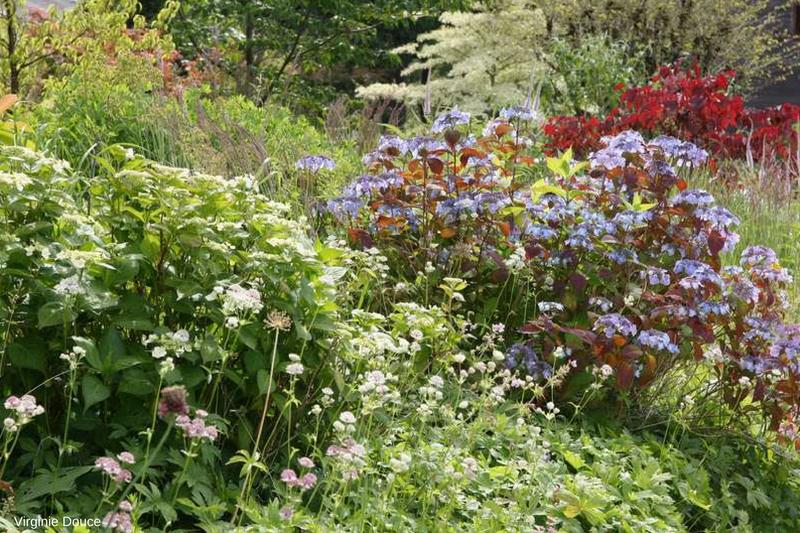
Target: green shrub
{"x":143,"y":277}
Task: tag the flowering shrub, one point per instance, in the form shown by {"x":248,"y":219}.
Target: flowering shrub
{"x":618,"y":259}
{"x":681,"y":102}
{"x":151,"y":302}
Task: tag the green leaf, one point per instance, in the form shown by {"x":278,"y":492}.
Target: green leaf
{"x":94,"y":391}
{"x":54,"y":314}
{"x":541,"y":187}
{"x":575,"y":460}
{"x":92,"y":355}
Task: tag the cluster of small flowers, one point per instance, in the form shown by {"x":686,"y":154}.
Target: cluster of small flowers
{"x":70,"y":286}
{"x":346,"y":423}
{"x":73,"y":357}
{"x":295,"y":368}
{"x":327,"y":400}
{"x":120,"y":520}
{"x":315,"y":163}
{"x":550,"y":411}
{"x":196,"y":428}
{"x":112,"y":467}
{"x":376,"y":391}
{"x":237,"y":299}
{"x":23,"y":410}
{"x":304,"y":482}
{"x":176,"y":343}
{"x":350,"y":457}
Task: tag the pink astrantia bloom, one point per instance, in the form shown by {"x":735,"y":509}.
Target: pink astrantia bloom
{"x":112,"y":468}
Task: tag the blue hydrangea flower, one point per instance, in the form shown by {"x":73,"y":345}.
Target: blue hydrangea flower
{"x":344,"y":207}
{"x":449,"y":120}
{"x":627,"y":221}
{"x":540,"y":232}
{"x":315,"y":163}
{"x":683,"y":152}
{"x":709,"y":307}
{"x":657,"y":340}
{"x":522,"y":354}
{"x":370,"y":183}
{"x":656,"y":276}
{"x":614,"y":323}
{"x":717,"y":216}
{"x":392,"y":143}
{"x":517,"y":112}
{"x":745,"y":290}
{"x":419,"y":144}
{"x":693,"y":197}
{"x":760,"y":330}
{"x":622,"y":256}
{"x":786,"y":349}
{"x":758,"y":256}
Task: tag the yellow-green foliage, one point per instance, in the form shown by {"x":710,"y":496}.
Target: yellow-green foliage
{"x":742,"y":34}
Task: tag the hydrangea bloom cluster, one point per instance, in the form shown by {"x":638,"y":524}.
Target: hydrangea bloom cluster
{"x":315,"y":163}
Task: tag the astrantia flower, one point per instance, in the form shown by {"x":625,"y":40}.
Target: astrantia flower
{"x":126,"y":457}
{"x":121,"y":519}
{"x":614,"y":323}
{"x":173,"y":401}
{"x":196,"y":428}
{"x":305,"y":462}
{"x":315,"y":163}
{"x":112,"y":468}
{"x":450,"y":119}
{"x":295,"y":369}
{"x":657,"y":340}
{"x":278,"y":320}
{"x":24,"y":409}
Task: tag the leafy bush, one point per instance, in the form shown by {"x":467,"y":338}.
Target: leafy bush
{"x":601,"y":266}
{"x":146,"y":278}
{"x":684,"y":103}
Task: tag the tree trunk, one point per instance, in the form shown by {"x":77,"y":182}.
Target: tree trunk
{"x":10,"y":8}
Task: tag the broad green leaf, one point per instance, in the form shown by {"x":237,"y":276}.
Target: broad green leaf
{"x":94,"y":391}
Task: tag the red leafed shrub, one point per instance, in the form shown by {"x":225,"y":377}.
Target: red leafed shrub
{"x":683,"y":103}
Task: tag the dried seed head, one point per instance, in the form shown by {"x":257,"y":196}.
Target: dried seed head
{"x":278,"y":320}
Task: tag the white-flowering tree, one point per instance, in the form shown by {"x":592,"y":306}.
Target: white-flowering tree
{"x":478,"y":60}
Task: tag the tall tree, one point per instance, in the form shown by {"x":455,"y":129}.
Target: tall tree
{"x":267,"y":39}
